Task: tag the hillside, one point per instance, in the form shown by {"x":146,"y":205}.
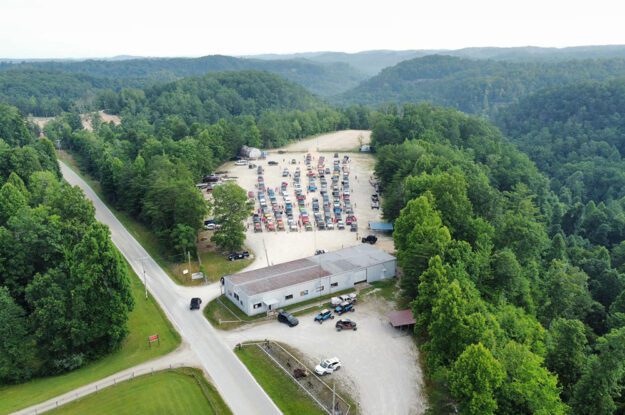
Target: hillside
{"x":576,"y":134}
{"x":371,"y":62}
{"x":212,"y":97}
{"x":45,"y":93}
{"x":322,"y":79}
{"x":474,"y":86}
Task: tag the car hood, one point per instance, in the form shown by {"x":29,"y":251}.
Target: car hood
{"x":319,"y":369}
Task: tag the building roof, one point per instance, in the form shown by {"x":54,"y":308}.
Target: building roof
{"x":308,"y":269}
{"x":381,"y":226}
{"x":401,"y":318}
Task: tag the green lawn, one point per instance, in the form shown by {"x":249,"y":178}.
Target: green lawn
{"x":286,"y":394}
{"x":181,"y":391}
{"x":146,"y":319}
{"x":215,"y":264}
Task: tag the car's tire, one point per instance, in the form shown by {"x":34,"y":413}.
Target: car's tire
{"x":331,"y":317}
{"x":355,"y":328}
{"x":353,"y":309}
{"x":339,"y":328}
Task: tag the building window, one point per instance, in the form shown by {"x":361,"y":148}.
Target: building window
{"x":303,"y":293}
{"x":334,"y":284}
{"x":236,"y":296}
{"x":319,"y":289}
{"x":258,"y":305}
{"x":288,"y":297}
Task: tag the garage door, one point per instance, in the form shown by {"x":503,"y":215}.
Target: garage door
{"x":360,"y":276}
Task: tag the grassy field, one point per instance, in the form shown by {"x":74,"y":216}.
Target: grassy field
{"x":286,"y":394}
{"x":180,"y":391}
{"x":215,"y":264}
{"x":146,"y":319}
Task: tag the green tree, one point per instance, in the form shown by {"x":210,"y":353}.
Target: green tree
{"x":230,"y":208}
{"x":567,"y":352}
{"x":473,"y":379}
{"x":16,"y":346}
{"x":419,"y":235}
{"x":11,"y":200}
{"x":602,"y":379}
{"x":566,"y":292}
{"x":528,"y":388}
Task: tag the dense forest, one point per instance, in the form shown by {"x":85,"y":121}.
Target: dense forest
{"x":64,"y":290}
{"x":517,"y":313}
{"x":173,"y":134}
{"x":575,"y":135}
{"x":324,"y":79}
{"x":474,"y":86}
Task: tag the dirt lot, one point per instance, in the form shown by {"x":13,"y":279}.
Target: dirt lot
{"x":347,"y":140}
{"x":282,"y":246}
{"x":380,"y":367}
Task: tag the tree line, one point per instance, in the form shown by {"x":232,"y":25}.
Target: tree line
{"x":64,"y":289}
{"x":515,"y":313}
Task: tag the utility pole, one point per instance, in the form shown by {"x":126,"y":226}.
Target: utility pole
{"x":145,"y":278}
{"x":333,"y":397}
{"x":266,"y":254}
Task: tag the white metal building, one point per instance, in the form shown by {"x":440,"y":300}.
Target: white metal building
{"x":270,"y":288}
{"x":250,"y":152}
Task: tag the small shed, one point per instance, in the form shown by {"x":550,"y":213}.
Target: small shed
{"x":250,"y":152}
{"x":402,"y":319}
{"x":381,"y":226}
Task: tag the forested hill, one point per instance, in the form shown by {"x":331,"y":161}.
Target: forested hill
{"x":474,"y":86}
{"x":576,"y":134}
{"x":212,"y":97}
{"x":518,"y":295}
{"x":46,"y":93}
{"x":320,"y":78}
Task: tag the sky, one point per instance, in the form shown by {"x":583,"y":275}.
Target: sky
{"x":87,"y":29}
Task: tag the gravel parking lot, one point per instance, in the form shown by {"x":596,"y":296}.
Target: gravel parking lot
{"x":275,"y":247}
{"x":380,"y":364}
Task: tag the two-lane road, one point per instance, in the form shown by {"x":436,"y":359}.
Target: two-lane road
{"x":231,"y":378}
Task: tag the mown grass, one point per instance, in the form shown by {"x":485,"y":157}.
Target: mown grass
{"x":179,"y":391}
{"x":214,"y":263}
{"x":285,"y":393}
{"x":145,"y":319}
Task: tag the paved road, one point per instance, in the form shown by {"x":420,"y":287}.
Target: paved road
{"x":231,"y":378}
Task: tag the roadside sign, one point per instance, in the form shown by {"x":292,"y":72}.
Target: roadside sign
{"x":154,"y":338}
{"x":197,"y":276}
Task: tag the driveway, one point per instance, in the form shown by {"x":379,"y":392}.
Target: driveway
{"x":380,"y":365}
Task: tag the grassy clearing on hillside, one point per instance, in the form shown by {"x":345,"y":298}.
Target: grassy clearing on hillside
{"x":146,"y":319}
{"x":215,"y":264}
{"x":286,"y":394}
{"x":180,"y":391}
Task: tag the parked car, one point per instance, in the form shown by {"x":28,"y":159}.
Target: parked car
{"x":328,"y":366}
{"x":195,"y":303}
{"x":287,"y":318}
{"x":320,"y":251}
{"x":238,"y":255}
{"x":344,"y":307}
{"x":240,"y":163}
{"x":351,"y":298}
{"x":324,"y":315}
{"x":370,"y":239}
{"x":353,"y":227}
{"x":272,"y":163}
{"x":345,"y":324}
